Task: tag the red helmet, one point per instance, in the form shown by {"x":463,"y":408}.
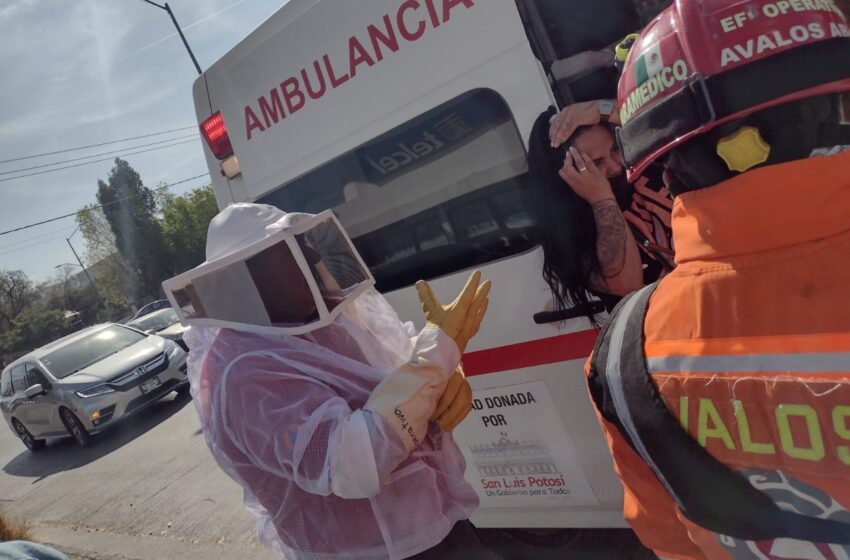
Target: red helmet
{"x":702,"y":63}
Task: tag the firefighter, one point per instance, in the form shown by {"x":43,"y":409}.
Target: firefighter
{"x":724,"y":389}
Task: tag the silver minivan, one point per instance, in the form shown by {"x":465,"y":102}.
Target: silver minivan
{"x":87,"y":381}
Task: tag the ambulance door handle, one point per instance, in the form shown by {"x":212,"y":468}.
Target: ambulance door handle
{"x":543,"y":317}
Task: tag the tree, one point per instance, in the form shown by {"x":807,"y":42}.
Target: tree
{"x":58,"y":292}
{"x":100,"y":241}
{"x":185,"y":220}
{"x":104,"y":260}
{"x":70,"y":290}
{"x":130,"y":209}
{"x":16,"y":294}
{"x":31,"y":329}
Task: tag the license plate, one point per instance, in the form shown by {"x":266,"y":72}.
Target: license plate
{"x":149,"y":385}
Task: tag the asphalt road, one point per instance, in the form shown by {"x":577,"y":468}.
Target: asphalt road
{"x":147,"y":489}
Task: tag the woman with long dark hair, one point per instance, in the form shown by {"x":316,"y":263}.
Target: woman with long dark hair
{"x":587,"y":244}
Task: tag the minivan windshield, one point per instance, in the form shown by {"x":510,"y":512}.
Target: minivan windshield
{"x":90,"y":349}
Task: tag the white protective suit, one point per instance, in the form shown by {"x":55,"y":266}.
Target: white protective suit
{"x":300,"y":422}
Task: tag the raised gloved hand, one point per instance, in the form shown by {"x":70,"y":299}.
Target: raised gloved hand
{"x":455,"y":402}
{"x":414,"y":393}
{"x":460,"y":319}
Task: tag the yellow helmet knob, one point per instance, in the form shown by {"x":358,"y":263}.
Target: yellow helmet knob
{"x":743,"y":149}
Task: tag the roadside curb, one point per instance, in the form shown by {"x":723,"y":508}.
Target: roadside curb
{"x":86,"y":544}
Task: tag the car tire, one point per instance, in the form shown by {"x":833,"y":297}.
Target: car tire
{"x":183,"y":391}
{"x":27,"y":438}
{"x":75,"y":428}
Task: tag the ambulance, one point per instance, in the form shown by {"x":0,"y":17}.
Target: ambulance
{"x":410,"y":120}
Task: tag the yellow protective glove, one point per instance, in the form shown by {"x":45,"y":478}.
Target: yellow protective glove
{"x":461,"y":318}
{"x":455,"y":402}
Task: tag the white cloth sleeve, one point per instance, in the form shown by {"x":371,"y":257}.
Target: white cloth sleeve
{"x":298,"y":428}
{"x":365,"y":461}
{"x":315,"y":439}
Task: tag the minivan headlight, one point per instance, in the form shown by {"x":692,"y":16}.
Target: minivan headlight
{"x":95,"y":391}
{"x":171,"y":349}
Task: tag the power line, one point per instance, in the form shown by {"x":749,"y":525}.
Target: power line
{"x":99,"y":206}
{"x":33,"y":245}
{"x":185,"y":28}
{"x":158,"y":142}
{"x":98,"y":145}
{"x":28,"y":239}
{"x":94,"y":161}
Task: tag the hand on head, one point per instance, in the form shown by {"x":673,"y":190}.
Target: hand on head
{"x":565,"y":123}
{"x":585,"y":178}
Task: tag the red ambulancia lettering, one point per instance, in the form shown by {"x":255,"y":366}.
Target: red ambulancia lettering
{"x":251,"y":121}
{"x":387,"y":38}
{"x":292,"y":90}
{"x":274,"y":112}
{"x":321,"y":77}
{"x":357,"y":55}
{"x":432,"y":13}
{"x":335,"y":82}
{"x":411,"y":23}
{"x":402,"y":27}
{"x":449,"y":4}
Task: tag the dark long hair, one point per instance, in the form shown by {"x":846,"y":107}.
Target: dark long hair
{"x":565,"y":229}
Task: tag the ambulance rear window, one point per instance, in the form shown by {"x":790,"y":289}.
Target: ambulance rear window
{"x":441,"y":193}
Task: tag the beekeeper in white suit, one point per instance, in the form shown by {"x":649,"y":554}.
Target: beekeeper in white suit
{"x":316,"y":398}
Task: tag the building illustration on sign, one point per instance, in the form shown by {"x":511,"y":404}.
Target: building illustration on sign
{"x":511,"y":457}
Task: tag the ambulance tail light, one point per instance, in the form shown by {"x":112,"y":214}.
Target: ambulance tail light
{"x":215,"y":133}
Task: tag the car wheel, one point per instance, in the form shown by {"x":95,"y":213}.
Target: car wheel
{"x":75,"y":428}
{"x":183,"y":391}
{"x":26,"y":437}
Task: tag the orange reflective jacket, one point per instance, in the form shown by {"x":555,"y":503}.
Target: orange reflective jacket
{"x":748,"y":343}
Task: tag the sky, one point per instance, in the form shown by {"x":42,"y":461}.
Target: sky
{"x":82,"y":72}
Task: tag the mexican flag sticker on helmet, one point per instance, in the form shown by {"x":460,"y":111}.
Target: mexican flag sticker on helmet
{"x":648,"y":64}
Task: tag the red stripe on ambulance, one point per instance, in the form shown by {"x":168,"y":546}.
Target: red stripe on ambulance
{"x":562,"y":348}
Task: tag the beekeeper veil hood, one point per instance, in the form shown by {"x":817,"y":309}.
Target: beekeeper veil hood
{"x":271,"y":272}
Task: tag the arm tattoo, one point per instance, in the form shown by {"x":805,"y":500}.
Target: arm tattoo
{"x":610,"y":238}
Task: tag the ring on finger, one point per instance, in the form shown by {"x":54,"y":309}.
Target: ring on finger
{"x":582,"y":169}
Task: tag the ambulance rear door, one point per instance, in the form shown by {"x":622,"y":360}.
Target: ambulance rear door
{"x":410,"y":120}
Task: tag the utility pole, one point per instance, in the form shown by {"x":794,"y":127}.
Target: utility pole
{"x":167,"y":8}
{"x":85,"y":270}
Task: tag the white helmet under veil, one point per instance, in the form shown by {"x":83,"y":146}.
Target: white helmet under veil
{"x":291,"y":275}
{"x":275,"y":273}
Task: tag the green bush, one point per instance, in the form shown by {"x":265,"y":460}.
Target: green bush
{"x":33,"y":328}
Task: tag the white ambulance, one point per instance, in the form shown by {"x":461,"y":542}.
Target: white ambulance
{"x":410,"y":119}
